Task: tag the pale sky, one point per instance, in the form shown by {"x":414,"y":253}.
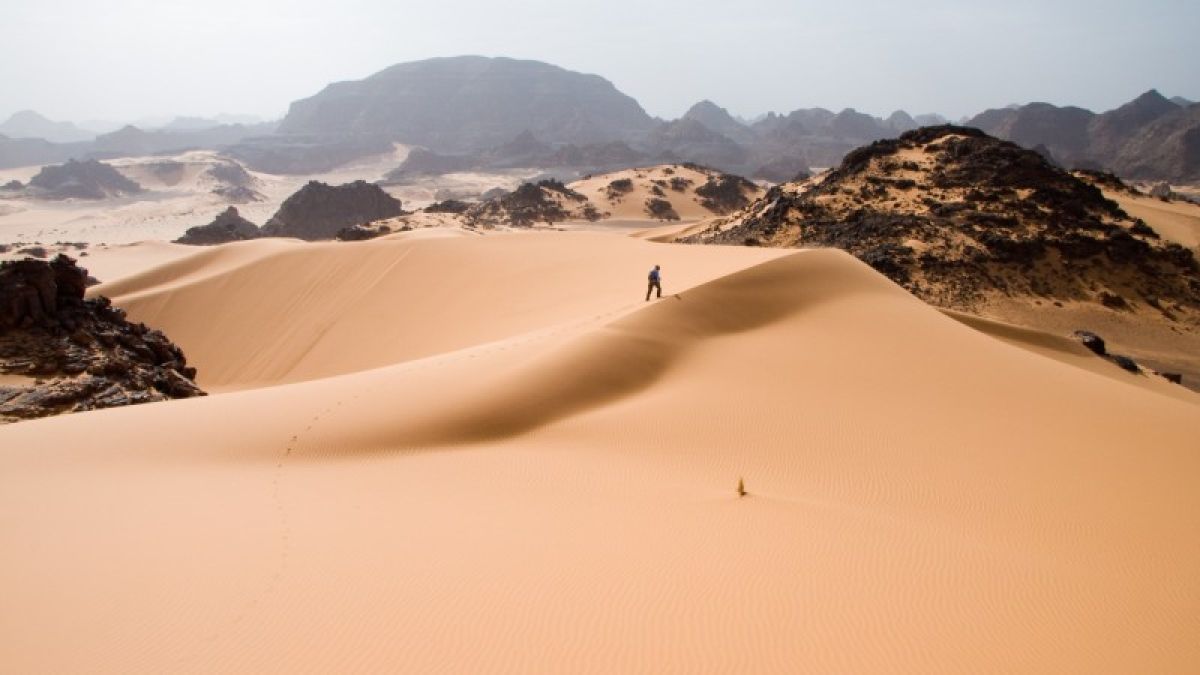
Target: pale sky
{"x":130,"y":59}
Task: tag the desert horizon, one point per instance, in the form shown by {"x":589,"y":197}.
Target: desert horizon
{"x":474,"y":364}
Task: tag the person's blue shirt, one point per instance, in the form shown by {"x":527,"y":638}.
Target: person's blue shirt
{"x":654,"y":274}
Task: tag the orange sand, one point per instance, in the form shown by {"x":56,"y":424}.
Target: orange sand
{"x":487,"y":454}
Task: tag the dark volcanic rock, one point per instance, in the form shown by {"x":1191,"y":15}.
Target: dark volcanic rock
{"x":79,"y":354}
{"x":360,"y":233}
{"x":448,"y":206}
{"x":226,"y":227}
{"x":1092,"y":341}
{"x":319,"y":211}
{"x":81,"y":180}
{"x":1126,"y":363}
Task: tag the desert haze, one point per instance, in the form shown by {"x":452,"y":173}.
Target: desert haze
{"x":380,"y":386}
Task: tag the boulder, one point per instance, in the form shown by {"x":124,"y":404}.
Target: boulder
{"x":1092,"y":341}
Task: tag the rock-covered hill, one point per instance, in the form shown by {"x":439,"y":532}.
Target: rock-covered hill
{"x":667,"y":192}
{"x":662,"y":193}
{"x":61,"y":353}
{"x":320,"y":211}
{"x":545,"y":202}
{"x":228,"y":226}
{"x":960,"y":218}
{"x":470,"y":103}
{"x":88,"y":179}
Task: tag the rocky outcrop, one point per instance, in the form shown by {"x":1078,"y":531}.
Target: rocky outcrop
{"x":72,"y":354}
{"x":233,"y":183}
{"x":959,"y":217}
{"x":231,"y":173}
{"x":88,"y":179}
{"x":361,"y":233}
{"x":226,"y":227}
{"x":320,"y":211}
{"x":547,"y":201}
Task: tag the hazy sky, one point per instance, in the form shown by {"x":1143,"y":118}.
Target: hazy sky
{"x":128,"y":59}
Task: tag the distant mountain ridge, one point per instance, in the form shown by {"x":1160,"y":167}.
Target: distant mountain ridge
{"x":474,"y":112}
{"x":1149,"y":137}
{"x":28,"y":124}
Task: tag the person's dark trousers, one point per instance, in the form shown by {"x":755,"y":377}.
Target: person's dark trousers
{"x":654,"y":285}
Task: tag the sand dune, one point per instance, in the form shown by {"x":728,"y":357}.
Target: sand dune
{"x":487,"y":454}
{"x":286,"y":311}
{"x":1178,"y":221}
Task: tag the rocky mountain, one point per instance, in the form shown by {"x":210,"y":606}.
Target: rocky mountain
{"x":718,"y":119}
{"x":29,"y":124}
{"x":1108,"y":132}
{"x":900,"y":121}
{"x":228,"y":226}
{"x":471,"y":103}
{"x":77,"y":354}
{"x":689,"y":140}
{"x":88,"y":179}
{"x":1063,"y":130}
{"x":319,"y":211}
{"x":961,"y":218}
{"x":15,"y":152}
{"x":1145,"y":138}
{"x":1166,"y":149}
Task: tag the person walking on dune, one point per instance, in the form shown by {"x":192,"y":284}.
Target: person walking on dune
{"x":655,"y":282}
